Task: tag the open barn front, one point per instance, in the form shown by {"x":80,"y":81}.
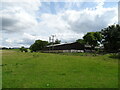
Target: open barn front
{"x":68,"y":47}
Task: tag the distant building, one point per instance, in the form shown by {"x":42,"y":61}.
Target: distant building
{"x":67,"y":47}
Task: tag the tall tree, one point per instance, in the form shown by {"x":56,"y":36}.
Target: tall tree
{"x":93,"y":38}
{"x":38,"y":45}
{"x":111,"y":38}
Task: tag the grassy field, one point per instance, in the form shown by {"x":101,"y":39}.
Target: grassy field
{"x":44,"y":70}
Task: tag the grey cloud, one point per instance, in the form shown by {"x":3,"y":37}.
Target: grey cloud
{"x":15,"y":24}
{"x":8,"y":24}
{"x":17,"y":42}
{"x":88,"y":23}
{"x":16,"y":17}
{"x":26,"y":41}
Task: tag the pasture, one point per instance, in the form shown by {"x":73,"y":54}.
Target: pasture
{"x":45,"y":70}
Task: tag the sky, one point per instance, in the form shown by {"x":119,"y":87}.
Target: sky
{"x":24,"y":21}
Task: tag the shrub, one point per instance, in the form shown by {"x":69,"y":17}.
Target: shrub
{"x":22,"y":49}
{"x":115,"y":55}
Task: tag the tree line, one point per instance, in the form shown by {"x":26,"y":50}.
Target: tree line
{"x":108,"y":37}
{"x":39,"y":45}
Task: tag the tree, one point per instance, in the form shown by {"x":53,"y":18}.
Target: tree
{"x":111,"y":38}
{"x":4,"y":48}
{"x":81,"y":41}
{"x":93,"y":39}
{"x":38,"y":45}
{"x":57,"y":41}
{"x":23,"y":49}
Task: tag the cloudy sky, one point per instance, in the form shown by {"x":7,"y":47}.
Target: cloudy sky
{"x":24,"y":21}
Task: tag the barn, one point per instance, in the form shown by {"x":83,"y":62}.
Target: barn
{"x":67,"y":47}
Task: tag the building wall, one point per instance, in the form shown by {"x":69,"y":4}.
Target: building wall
{"x":71,"y":46}
{"x":63,"y":51}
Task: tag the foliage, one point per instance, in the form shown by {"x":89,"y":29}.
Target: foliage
{"x":38,"y":45}
{"x":57,"y":41}
{"x":115,"y":55}
{"x":82,"y":41}
{"x":111,"y":38}
{"x":93,"y":38}
{"x":23,"y":49}
{"x":4,"y":48}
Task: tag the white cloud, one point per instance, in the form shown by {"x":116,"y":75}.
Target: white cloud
{"x":80,"y":21}
{"x":16,"y":21}
{"x":68,"y":25}
{"x":90,"y":19}
{"x":19,"y":16}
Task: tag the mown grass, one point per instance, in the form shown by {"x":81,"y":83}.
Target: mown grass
{"x":45,"y":70}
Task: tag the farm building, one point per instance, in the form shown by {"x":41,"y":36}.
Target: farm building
{"x":68,"y":47}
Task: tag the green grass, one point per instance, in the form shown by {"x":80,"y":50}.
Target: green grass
{"x":0,"y":69}
{"x":44,"y":70}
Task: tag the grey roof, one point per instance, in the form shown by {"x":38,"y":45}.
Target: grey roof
{"x":59,"y":44}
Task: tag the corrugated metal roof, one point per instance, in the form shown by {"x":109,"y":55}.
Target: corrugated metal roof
{"x":59,"y":44}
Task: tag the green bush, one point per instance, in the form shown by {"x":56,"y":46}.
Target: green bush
{"x":115,"y":55}
{"x":22,"y":49}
